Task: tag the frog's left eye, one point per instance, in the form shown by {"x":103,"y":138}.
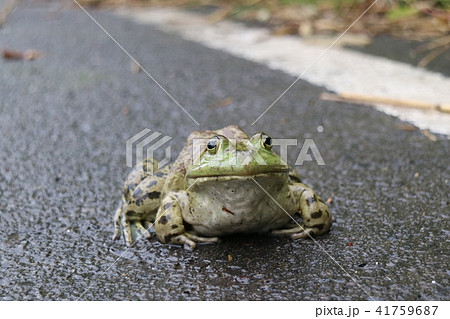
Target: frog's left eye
{"x":212,"y":145}
{"x":266,"y":141}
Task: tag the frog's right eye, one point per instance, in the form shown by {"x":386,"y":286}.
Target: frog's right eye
{"x":212,"y":145}
{"x":266,"y":141}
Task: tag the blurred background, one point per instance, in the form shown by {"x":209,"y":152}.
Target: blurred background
{"x":424,"y":26}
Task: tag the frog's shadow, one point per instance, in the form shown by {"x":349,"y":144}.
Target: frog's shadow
{"x":255,"y":245}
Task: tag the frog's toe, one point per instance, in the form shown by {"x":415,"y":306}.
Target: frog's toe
{"x":117,"y":234}
{"x":142,"y":230}
{"x":117,"y":230}
{"x":305,"y":233}
{"x":127,"y":232}
{"x":190,"y":241}
{"x":295,"y":232}
{"x":200,"y":239}
{"x":185,"y":241}
{"x":149,"y":226}
{"x":288,"y":231}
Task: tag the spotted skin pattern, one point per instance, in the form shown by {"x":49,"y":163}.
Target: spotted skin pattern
{"x":141,"y":198}
{"x":198,"y":200}
{"x":315,"y":214}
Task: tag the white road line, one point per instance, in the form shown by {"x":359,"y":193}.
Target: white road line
{"x":340,"y":70}
{"x":316,"y":60}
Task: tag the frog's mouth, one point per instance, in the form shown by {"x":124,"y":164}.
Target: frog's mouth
{"x":227,"y":173}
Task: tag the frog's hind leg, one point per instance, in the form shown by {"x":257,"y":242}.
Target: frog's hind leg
{"x":117,"y":217}
{"x":121,"y":222}
{"x":126,"y":226}
{"x":140,"y":202}
{"x":140,"y":210}
{"x":134,"y":178}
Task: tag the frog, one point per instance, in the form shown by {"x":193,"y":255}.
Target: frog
{"x":222,"y":183}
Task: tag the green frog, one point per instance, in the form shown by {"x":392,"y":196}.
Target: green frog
{"x":221,"y":183}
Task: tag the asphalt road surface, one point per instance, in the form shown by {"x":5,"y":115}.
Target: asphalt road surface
{"x":64,"y":120}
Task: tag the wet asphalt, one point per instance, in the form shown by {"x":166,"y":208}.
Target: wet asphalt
{"x":64,"y":120}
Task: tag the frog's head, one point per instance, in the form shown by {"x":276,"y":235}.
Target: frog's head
{"x":224,"y":158}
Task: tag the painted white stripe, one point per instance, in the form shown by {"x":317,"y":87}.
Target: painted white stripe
{"x":339,"y":70}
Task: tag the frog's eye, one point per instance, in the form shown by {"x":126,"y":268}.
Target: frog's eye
{"x":212,"y":145}
{"x":266,"y":141}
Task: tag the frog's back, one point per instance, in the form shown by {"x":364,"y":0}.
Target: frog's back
{"x":230,"y":132}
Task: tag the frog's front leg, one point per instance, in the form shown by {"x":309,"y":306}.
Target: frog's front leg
{"x":169,"y":223}
{"x":314,"y":212}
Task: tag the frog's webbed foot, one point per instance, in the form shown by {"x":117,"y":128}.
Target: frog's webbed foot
{"x":296,"y":232}
{"x":314,"y":211}
{"x":190,"y":240}
{"x":144,"y":232}
{"x":131,"y":229}
{"x":130,"y":234}
{"x":126,"y":226}
{"x":200,"y":239}
{"x":117,"y":230}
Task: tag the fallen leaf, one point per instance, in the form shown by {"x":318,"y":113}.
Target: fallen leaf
{"x":263,"y":15}
{"x":17,"y":55}
{"x":32,"y":54}
{"x":125,"y":110}
{"x":230,"y":258}
{"x":222,"y":103}
{"x":287,"y":29}
{"x":430,"y":135}
{"x":406,"y":127}
{"x":305,"y":29}
{"x":135,"y":68}
{"x":12,"y":55}
{"x":220,"y":14}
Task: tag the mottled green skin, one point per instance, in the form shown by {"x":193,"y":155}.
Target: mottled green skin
{"x":238,"y":186}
